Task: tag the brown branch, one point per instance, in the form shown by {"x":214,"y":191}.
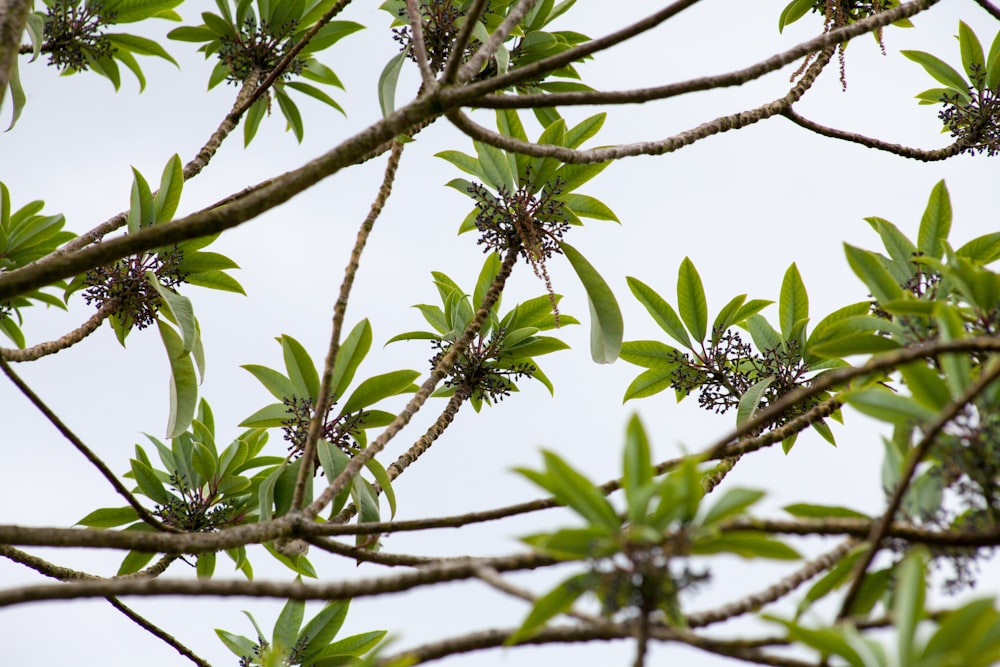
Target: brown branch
{"x":667,"y":145}
{"x":419,"y":47}
{"x":989,"y":7}
{"x":880,"y":528}
{"x":772,"y":593}
{"x":362,"y":555}
{"x":869,"y":142}
{"x":340,"y":482}
{"x":82,"y":448}
{"x":471,"y":68}
{"x":339,"y":309}
{"x":278,"y":191}
{"x":476,"y":94}
{"x":462,"y":40}
{"x":191,"y":169}
{"x":72,"y":338}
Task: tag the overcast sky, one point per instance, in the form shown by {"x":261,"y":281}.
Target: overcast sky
{"x":742,"y":206}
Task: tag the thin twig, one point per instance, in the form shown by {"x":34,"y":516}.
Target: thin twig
{"x":989,"y":7}
{"x":477,"y":94}
{"x":498,"y":37}
{"x":660,"y":147}
{"x":462,"y":40}
{"x":339,"y":309}
{"x":88,"y":453}
{"x":72,"y":338}
{"x":869,"y":142}
{"x":419,"y":47}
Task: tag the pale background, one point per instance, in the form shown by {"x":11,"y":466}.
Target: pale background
{"x":742,"y":206}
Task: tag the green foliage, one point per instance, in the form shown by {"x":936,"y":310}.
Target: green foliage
{"x":249,"y":44}
{"x":526,"y":205}
{"x":633,"y":555}
{"x":343,"y":427}
{"x":25,"y":236}
{"x":309,"y":646}
{"x":726,"y":371}
{"x":199,"y":488}
{"x":971,"y":98}
{"x":969,"y":635}
{"x":505,"y":348}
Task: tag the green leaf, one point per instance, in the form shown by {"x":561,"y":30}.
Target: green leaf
{"x":301,"y":370}
{"x":495,"y":167}
{"x":637,"y":469}
{"x":649,"y":354}
{"x":556,"y":601}
{"x":150,"y":484}
{"x":691,"y":300}
{"x":276,"y":383}
{"x":271,"y":416}
{"x":649,"y":382}
{"x":352,"y":352}
{"x":926,"y":385}
{"x":809,"y":511}
{"x":940,"y":70}
{"x":887,"y":406}
{"x":746,"y":544}
{"x":255,"y":114}
{"x":291,"y":113}
{"x":286,"y":628}
{"x":734,"y":501}
{"x":606,"y":325}
{"x":374,"y":389}
{"x":355,"y":645}
{"x":387,"y":82}
{"x":972,"y":52}
{"x":322,"y":628}
{"x":908,"y":603}
{"x":876,"y":277}
{"x":661,"y":311}
{"x":935,"y":223}
{"x":993,"y":64}
{"x":793,"y":11}
{"x":179,"y":309}
{"x":751,"y":399}
{"x":141,"y":212}
{"x":589,"y":207}
{"x":983,"y":249}
{"x":183,"y":382}
{"x":793,"y":304}
{"x":109,"y":517}
{"x":238,"y":644}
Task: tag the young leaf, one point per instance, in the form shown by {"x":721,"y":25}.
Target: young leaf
{"x":374,"y":389}
{"x":940,"y":70}
{"x":662,"y":312}
{"x":935,"y":223}
{"x":387,"y":81}
{"x":169,"y":195}
{"x":637,"y":468}
{"x":793,"y":304}
{"x":691,"y":300}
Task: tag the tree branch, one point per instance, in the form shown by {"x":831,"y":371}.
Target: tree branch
{"x":339,"y":309}
{"x":989,"y":7}
{"x":668,"y":145}
{"x":462,"y":40}
{"x":158,"y":632}
{"x":869,"y":142}
{"x":72,"y":338}
{"x":477,"y":94}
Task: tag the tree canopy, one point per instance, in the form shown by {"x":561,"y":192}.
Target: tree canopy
{"x":610,"y":355}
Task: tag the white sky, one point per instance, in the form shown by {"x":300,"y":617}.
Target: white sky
{"x":742,"y":206}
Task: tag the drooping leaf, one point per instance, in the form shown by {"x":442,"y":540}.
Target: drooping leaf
{"x":606,"y":326}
